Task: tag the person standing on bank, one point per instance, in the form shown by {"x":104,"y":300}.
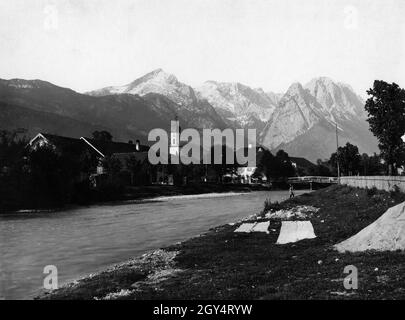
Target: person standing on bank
{"x":291,"y":191}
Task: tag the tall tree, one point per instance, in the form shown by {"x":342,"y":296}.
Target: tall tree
{"x":265,"y":165}
{"x":12,"y":146}
{"x":275,"y":167}
{"x":386,"y":116}
{"x":284,"y":167}
{"x":371,"y":165}
{"x":349,"y":159}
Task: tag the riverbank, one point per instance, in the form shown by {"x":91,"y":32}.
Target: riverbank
{"x":152,"y":192}
{"x":222,"y":264}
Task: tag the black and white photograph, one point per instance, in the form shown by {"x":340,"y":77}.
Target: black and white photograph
{"x":227,"y":151}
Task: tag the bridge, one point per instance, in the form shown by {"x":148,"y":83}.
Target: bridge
{"x":312,"y":179}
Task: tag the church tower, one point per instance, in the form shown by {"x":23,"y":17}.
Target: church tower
{"x":175,"y":137}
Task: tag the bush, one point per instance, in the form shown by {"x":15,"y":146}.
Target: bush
{"x":371,"y":192}
{"x":395,"y":191}
{"x":270,"y":206}
{"x":346,"y":190}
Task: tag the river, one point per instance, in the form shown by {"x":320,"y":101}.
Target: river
{"x":84,"y":240}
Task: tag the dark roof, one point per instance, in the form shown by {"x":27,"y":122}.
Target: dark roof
{"x":61,"y":140}
{"x":66,"y":144}
{"x":108,"y":148}
{"x":302,"y":162}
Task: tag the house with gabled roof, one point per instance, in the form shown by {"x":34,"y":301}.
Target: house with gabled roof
{"x":58,"y":143}
{"x":99,"y":149}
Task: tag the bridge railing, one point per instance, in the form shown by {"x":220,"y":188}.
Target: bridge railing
{"x":308,"y":179}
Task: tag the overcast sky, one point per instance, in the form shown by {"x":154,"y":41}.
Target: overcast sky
{"x":86,"y":44}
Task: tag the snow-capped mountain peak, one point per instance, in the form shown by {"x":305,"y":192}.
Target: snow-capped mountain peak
{"x":157,"y":81}
{"x":158,"y":76}
{"x":239,"y":103}
{"x":338,"y":99}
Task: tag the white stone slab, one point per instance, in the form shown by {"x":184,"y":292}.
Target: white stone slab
{"x":261,"y":227}
{"x":293,"y":231}
{"x":245,"y":227}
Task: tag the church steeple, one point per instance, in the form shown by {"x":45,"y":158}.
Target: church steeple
{"x":175,"y":137}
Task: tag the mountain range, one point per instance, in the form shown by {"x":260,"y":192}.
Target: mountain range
{"x":301,"y":121}
{"x":305,"y":120}
{"x":197,"y":112}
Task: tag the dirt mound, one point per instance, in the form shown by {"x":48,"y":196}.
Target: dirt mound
{"x":387,"y":233}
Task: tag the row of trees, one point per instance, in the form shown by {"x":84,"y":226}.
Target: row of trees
{"x":351,"y":162}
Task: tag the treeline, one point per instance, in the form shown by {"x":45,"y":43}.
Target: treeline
{"x":351,"y":162}
{"x":37,"y":178}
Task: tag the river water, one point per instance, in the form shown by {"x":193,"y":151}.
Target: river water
{"x":88,"y":239}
